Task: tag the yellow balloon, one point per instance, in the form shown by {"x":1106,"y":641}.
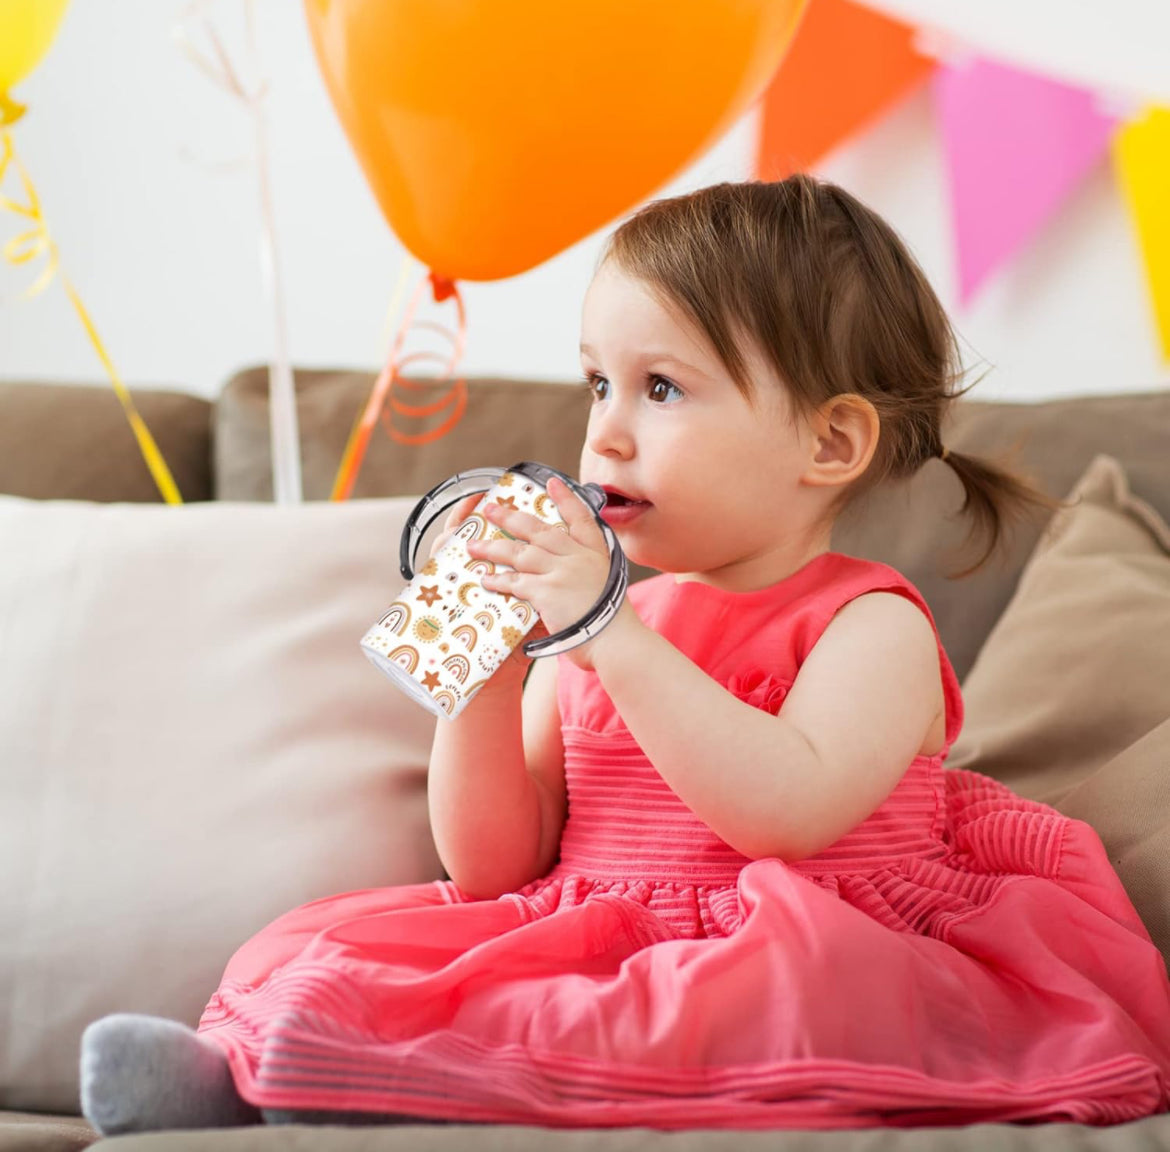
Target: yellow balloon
{"x":27,"y":28}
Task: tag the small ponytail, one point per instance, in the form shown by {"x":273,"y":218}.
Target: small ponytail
{"x":993,"y":494}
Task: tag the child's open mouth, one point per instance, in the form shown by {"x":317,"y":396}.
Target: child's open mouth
{"x":622,"y":509}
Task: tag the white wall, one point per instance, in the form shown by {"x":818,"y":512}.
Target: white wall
{"x":163,"y":248}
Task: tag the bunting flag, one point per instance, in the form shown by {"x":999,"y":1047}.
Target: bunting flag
{"x":1142,"y":158}
{"x":846,"y":65}
{"x":1016,"y":146}
{"x":1017,"y":143}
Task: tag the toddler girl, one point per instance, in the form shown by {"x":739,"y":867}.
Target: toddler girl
{"x":708,"y":870}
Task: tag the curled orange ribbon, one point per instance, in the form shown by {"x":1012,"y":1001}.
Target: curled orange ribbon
{"x":37,"y":242}
{"x":382,"y":404}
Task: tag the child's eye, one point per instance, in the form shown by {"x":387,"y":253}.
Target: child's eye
{"x":591,"y":381}
{"x":660,"y":388}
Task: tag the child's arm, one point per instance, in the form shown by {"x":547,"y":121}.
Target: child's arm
{"x":792,"y":784}
{"x":496,"y":784}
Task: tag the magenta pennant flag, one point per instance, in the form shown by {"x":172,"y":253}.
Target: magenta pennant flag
{"x":1016,"y":145}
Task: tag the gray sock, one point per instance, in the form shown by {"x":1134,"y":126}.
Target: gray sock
{"x":140,"y":1073}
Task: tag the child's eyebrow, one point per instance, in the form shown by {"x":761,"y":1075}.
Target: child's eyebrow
{"x":665,"y":357}
{"x":657,"y":358}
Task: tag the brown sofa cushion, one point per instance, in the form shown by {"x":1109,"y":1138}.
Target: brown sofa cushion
{"x":1069,"y":700}
{"x":33,"y":1132}
{"x":73,"y":442}
{"x":1127,"y":801}
{"x":505,"y":421}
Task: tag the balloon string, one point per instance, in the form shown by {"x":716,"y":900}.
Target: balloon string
{"x":390,"y":377}
{"x":388,"y":332}
{"x":388,"y":329}
{"x":38,"y":242}
{"x":218,"y":66}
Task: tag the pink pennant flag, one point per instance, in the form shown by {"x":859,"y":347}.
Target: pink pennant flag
{"x":1016,"y":146}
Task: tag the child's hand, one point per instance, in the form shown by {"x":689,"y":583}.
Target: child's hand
{"x":560,"y":573}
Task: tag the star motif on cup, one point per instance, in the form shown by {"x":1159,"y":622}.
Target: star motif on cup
{"x":429,"y":594}
{"x":430,"y":680}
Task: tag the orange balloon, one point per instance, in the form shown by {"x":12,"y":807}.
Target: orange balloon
{"x":496,"y":133}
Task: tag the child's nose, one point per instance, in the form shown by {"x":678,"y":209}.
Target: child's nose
{"x":609,"y":432}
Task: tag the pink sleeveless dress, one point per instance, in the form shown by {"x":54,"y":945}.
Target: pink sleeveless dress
{"x":961,"y":955}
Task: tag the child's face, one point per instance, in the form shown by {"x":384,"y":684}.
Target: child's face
{"x":720,"y":477}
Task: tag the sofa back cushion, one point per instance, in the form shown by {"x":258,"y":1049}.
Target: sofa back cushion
{"x":505,"y":421}
{"x":63,"y":441}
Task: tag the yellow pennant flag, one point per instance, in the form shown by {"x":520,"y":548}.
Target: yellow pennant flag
{"x":1142,"y":157}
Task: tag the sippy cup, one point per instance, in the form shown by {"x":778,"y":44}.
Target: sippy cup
{"x":445,"y":634}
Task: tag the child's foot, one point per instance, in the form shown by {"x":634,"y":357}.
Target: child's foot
{"x":144,"y":1072}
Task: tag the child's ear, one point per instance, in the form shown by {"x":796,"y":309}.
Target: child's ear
{"x":843,"y":437}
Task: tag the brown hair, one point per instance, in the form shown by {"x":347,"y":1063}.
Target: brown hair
{"x":833,"y":299}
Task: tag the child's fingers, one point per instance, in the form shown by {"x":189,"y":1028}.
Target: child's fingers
{"x":576,"y":514}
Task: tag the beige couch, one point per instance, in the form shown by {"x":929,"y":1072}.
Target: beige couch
{"x":191,"y":742}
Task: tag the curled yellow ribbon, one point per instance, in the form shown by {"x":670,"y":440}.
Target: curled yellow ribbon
{"x":36,"y":243}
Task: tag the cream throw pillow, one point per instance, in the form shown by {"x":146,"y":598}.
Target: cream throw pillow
{"x":191,"y":743}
